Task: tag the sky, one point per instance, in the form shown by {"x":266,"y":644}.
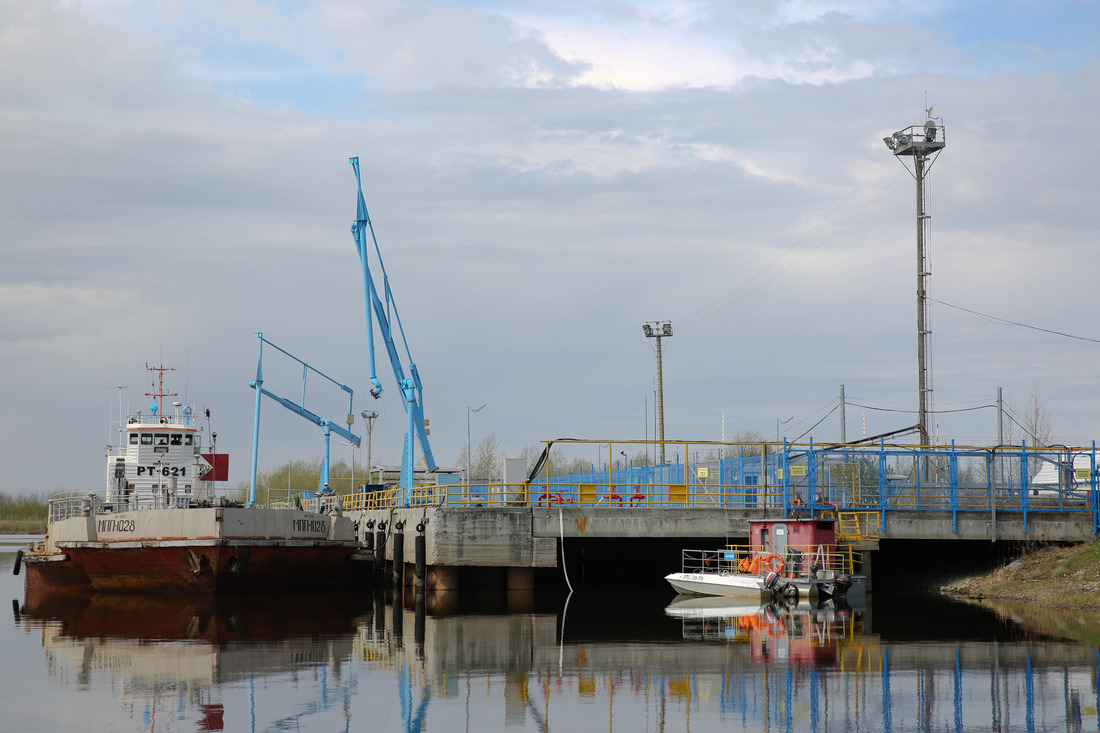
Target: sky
{"x":543,"y":178}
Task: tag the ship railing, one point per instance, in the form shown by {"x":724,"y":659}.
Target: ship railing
{"x":68,"y":504}
{"x":795,"y":561}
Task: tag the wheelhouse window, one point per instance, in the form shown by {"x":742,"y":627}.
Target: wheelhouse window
{"x":177,"y":439}
{"x":134,"y":438}
{"x":146,"y":438}
{"x":162,"y":438}
{"x":188,"y":439}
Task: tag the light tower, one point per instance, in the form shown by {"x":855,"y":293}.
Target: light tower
{"x":923,"y":144}
{"x":659,"y":330}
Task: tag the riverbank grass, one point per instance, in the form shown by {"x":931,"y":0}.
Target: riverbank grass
{"x":1065,"y":576}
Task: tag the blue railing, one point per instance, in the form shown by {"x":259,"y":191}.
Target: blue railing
{"x":878,"y":477}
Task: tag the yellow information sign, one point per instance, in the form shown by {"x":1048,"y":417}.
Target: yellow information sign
{"x":704,"y":472}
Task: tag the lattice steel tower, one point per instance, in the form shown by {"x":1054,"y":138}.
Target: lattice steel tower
{"x":923,"y":144}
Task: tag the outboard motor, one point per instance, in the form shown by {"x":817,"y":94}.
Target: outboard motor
{"x":779,"y":587}
{"x":838,"y":588}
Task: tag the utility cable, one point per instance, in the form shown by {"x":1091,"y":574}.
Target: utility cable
{"x":1006,"y":322}
{"x":696,"y":317}
{"x":830,"y":412}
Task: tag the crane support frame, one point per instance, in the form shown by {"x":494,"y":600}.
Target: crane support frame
{"x":326,"y":425}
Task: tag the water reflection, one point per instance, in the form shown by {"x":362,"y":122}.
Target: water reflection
{"x":516,"y":661}
{"x":178,"y":656}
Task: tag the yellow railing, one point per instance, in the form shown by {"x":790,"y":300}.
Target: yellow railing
{"x":857,"y":526}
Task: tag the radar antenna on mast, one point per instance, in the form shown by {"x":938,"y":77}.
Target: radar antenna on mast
{"x":160,"y":394}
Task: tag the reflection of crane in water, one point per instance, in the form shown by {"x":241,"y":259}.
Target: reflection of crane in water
{"x":413,"y":719}
{"x":326,"y":700}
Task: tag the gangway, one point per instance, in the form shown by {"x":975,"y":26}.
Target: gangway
{"x":324,"y":423}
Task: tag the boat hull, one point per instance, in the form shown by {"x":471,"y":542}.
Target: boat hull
{"x":237,"y":568}
{"x":213,"y":550}
{"x":734,"y":585}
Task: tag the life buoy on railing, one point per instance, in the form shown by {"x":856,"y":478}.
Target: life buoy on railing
{"x":772,"y":563}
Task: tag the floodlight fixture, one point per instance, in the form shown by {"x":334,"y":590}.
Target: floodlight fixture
{"x":659,"y":330}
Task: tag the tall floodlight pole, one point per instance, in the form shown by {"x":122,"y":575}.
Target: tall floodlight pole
{"x":370,"y":416}
{"x":923,"y":144}
{"x":658,"y":330}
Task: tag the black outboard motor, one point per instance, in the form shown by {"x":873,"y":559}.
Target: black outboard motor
{"x":779,"y":587}
{"x":838,"y":588}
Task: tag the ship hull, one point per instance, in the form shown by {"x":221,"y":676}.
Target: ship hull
{"x":206,"y":551}
{"x":239,"y":568}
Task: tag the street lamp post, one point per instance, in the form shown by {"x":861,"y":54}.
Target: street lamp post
{"x":468,"y":411}
{"x":658,"y":330}
{"x":369,"y":416}
{"x":779,"y":422}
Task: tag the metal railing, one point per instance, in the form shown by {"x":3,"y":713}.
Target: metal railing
{"x":794,"y":478}
{"x":796,"y":561}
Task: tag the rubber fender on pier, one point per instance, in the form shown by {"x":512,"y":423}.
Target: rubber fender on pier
{"x":419,"y":556}
{"x":18,"y":562}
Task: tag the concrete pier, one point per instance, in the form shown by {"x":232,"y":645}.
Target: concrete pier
{"x":505,"y":546}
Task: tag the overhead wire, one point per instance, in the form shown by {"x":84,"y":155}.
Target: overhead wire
{"x":1007,"y":322}
{"x":714,"y":308}
{"x":807,"y":432}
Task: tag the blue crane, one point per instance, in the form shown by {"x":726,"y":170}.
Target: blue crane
{"x":325,"y":424}
{"x":411,"y":387}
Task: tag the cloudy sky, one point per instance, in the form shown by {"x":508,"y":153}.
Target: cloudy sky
{"x":543,"y":177}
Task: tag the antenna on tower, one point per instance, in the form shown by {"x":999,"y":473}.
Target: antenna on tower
{"x":160,"y":394}
{"x":923,"y":144}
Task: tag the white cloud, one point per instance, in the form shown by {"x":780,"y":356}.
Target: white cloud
{"x":541,"y":185}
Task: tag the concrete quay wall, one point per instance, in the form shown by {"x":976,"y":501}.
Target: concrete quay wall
{"x":520,"y":539}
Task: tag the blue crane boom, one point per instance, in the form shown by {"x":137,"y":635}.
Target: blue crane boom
{"x":325,"y":424}
{"x":411,"y":388}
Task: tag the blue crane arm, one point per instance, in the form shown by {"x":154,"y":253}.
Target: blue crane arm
{"x":312,"y":417}
{"x":359,"y":232}
{"x":411,"y":390}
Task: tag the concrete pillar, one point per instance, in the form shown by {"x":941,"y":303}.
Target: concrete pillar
{"x":521,"y":578}
{"x":865,"y":566}
{"x":521,"y":601}
{"x":442,"y":577}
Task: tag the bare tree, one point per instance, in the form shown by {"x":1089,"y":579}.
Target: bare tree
{"x":485,"y":465}
{"x":753,"y":440}
{"x":1037,"y":418}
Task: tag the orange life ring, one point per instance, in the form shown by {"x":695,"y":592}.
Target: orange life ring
{"x":773,"y":563}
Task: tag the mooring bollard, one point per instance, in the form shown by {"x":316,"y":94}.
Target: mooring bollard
{"x":420,"y":554}
{"x":368,"y":536}
{"x":399,"y":554}
{"x":380,"y":550}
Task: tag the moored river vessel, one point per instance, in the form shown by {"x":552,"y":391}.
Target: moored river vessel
{"x":158,"y":526}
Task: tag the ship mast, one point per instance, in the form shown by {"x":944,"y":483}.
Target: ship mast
{"x":160,"y":394}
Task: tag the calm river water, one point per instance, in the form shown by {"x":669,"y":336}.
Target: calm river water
{"x":590,"y":662}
